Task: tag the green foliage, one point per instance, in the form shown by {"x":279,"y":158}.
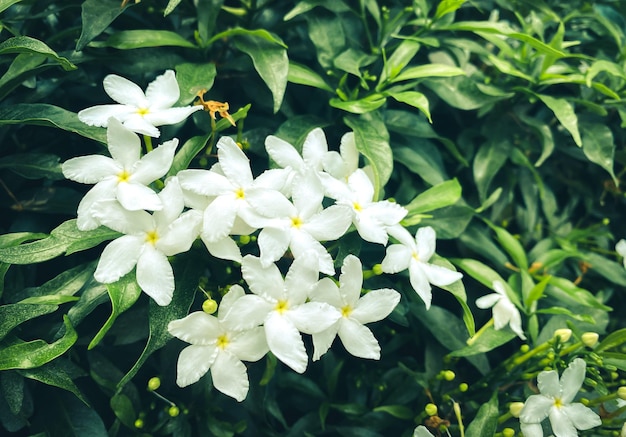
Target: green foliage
{"x":499,"y":123}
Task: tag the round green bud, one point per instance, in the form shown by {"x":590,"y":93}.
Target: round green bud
{"x":377,"y":269}
{"x":515,"y":408}
{"x":209,"y":306}
{"x":524,"y":348}
{"x":621,"y":393}
{"x":590,"y":339}
{"x":606,"y":221}
{"x":508,"y":432}
{"x":448,"y":375}
{"x":431,"y":409}
{"x":244,"y":239}
{"x":139,"y":423}
{"x":463,"y":387}
{"x":154,"y":383}
{"x":173,"y":411}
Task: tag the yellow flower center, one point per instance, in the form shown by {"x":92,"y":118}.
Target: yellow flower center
{"x":152,"y":237}
{"x":143,"y":111}
{"x":415,"y":256}
{"x":222,"y":341}
{"x":123,"y":176}
{"x":346,"y":311}
{"x":296,"y":222}
{"x":357,"y":206}
{"x":239,"y":193}
{"x":281,"y":306}
{"x":558,"y":402}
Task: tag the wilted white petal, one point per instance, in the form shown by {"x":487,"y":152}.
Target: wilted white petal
{"x":230,"y":376}
{"x":193,"y":362}
{"x":285,"y":342}
{"x":155,"y":275}
{"x":118,"y":258}
{"x":196,"y":328}
{"x":358,"y":340}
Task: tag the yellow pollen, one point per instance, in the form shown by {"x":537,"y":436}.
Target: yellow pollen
{"x":415,"y":256}
{"x":152,"y":237}
{"x":281,"y":306}
{"x":345,"y":311}
{"x":222,"y":341}
{"x":239,"y":193}
{"x":143,"y":111}
{"x":296,"y":222}
{"x":357,"y":206}
{"x":123,"y":176}
{"x":558,"y":402}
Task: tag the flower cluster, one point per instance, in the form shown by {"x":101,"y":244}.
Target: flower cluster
{"x":313,"y":197}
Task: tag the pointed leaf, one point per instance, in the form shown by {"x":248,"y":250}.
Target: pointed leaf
{"x":303,"y":75}
{"x":140,"y":38}
{"x":54,"y":374}
{"x":564,"y":112}
{"x":96,"y":16}
{"x":193,"y":78}
{"x":13,"y":315}
{"x":26,"y":44}
{"x":486,"y":420}
{"x":599,"y":146}
{"x":33,"y":165}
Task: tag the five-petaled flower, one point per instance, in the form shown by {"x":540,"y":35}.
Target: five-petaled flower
{"x":555,"y":401}
{"x":504,"y":311}
{"x":138,"y":111}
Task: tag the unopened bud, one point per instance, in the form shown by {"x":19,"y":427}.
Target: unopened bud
{"x":377,"y":269}
{"x":139,"y":423}
{"x":590,"y":339}
{"x":508,"y":432}
{"x":173,"y":411}
{"x":209,"y":306}
{"x":564,"y":334}
{"x":621,"y":392}
{"x":431,"y":409}
{"x":524,"y":348}
{"x":516,"y":408}
{"x":244,"y":239}
{"x":448,"y":375}
{"x":463,"y":387}
{"x":154,"y":383}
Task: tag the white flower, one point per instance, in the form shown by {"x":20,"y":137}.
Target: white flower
{"x":218,"y":346}
{"x":414,"y":254}
{"x":149,"y":240}
{"x":421,"y":431}
{"x":340,"y":165}
{"x":370,"y":218}
{"x":555,"y":401}
{"x":504,"y":311}
{"x":620,"y":248}
{"x":140,"y":112}
{"x":230,"y":186}
{"x":355,"y":311}
{"x":124,"y":177}
{"x":281,"y":306}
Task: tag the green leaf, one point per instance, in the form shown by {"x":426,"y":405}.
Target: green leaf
{"x":13,"y":315}
{"x":564,"y":112}
{"x":351,"y":61}
{"x":486,"y":420}
{"x":303,"y":75}
{"x":479,"y":271}
{"x":26,"y":44}
{"x":429,"y":70}
{"x":487,"y":163}
{"x":139,"y":38}
{"x":270,"y":61}
{"x":511,"y":245}
{"x":508,"y":68}
{"x":171,"y":5}
{"x":464,"y":93}
{"x":545,"y":134}
{"x":423,"y":159}
{"x":415,"y":99}
{"x":187,"y":270}
{"x":574,"y":293}
{"x":599,"y":146}
{"x":96,"y":16}
{"x":193,"y":78}
{"x":565,"y":312}
{"x":54,"y":374}
{"x":612,"y":341}
{"x":26,"y":355}
{"x":33,"y":165}
{"x":399,"y":411}
{"x":66,"y":238}
{"x":23,"y":67}
{"x":441,"y":195}
{"x":362,"y":106}
{"x":372,"y":141}
{"x":327,"y":34}
{"x":43,"y":114}
{"x":65,"y":284}
{"x":446,"y":7}
{"x":400,"y":58}
{"x":188,"y":152}
{"x":611,"y":270}
{"x":488,"y":340}
{"x":123,"y":294}
{"x":207,"y":14}
{"x":68,"y":417}
{"x":535,"y":293}
{"x":4,"y":4}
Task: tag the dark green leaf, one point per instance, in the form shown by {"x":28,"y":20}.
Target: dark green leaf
{"x":193,"y":78}
{"x":139,"y":38}
{"x":33,"y":165}
{"x":599,"y":146}
{"x":96,"y":16}
{"x":399,"y":411}
{"x":13,"y":315}
{"x":487,"y":163}
{"x":486,"y":421}
{"x":26,"y":44}
{"x":415,"y":99}
{"x":54,"y":374}
{"x":23,"y":67}
{"x":612,"y":341}
{"x":188,"y":152}
{"x":68,"y":417}
{"x":171,"y":5}
{"x":464,"y":93}
{"x":488,"y":340}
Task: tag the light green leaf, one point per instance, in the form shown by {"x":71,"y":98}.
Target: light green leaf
{"x":508,"y":68}
{"x":479,"y":271}
{"x":26,"y":44}
{"x":599,"y":146}
{"x":488,"y":340}
{"x":36,"y":353}
{"x":33,"y":165}
{"x":362,"y":106}
{"x":270,"y":61}
{"x":139,"y":38}
{"x":372,"y":141}
{"x":303,"y":75}
{"x":565,"y":312}
{"x":13,"y":315}
{"x":171,"y":5}
{"x":512,"y":245}
{"x":603,"y":66}
{"x":123,"y":294}
{"x":565,"y":289}
{"x":49,"y":300}
{"x":66,"y":238}
{"x":564,"y":112}
{"x":611,"y":341}
{"x":400,"y":58}
{"x":429,"y":70}
{"x":188,"y":151}
{"x":4,"y":4}
{"x":441,"y":195}
{"x":351,"y":60}
{"x":96,"y":16}
{"x":611,"y":270}
{"x":415,"y":99}
{"x":486,"y":420}
{"x":488,"y":161}
{"x":43,"y":114}
{"x":193,"y":78}
{"x":446,"y":7}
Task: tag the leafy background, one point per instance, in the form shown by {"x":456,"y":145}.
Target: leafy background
{"x":499,"y":123}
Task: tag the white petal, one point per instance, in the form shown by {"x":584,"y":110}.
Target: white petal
{"x":419,"y":282}
{"x":386,"y":212}
{"x":205,"y":182}
{"x":582,"y":417}
{"x":226,"y":248}
{"x":440,"y":276}
{"x":101,"y":114}
{"x":160,"y":117}
{"x":272,"y":179}
{"x":139,"y":124}
{"x":375,"y":305}
{"x":329,"y":224}
{"x":314,"y":148}
{"x":370,"y":230}
{"x":400,"y":233}
{"x":181,"y":234}
{"x":349,"y":152}
{"x":173,"y":202}
{"x":249,"y":345}
{"x":548,"y":383}
{"x":334,"y":165}
{"x":323,"y":340}
{"x":561,"y":425}
{"x":101,"y":192}
{"x":124,"y":145}
{"x":235,"y":164}
{"x":155,"y":275}
{"x":307,"y":193}
{"x":272,"y":204}
{"x":488,"y":300}
{"x":193,"y":362}
{"x":247,"y":312}
{"x":263,"y":281}
{"x":230,"y":376}
{"x":358,"y":340}
{"x":501,"y":314}
{"x":301,"y":277}
{"x":535,"y":409}
{"x":283,"y":153}
{"x":124,"y":91}
{"x":620,"y":248}
{"x":273,"y":244}
{"x":135,"y":196}
{"x":351,"y":279}
{"x":301,"y":243}
{"x":163,"y":92}
{"x":572,"y":379}
{"x":219,"y":217}
{"x":425,"y":238}
{"x":531,"y":429}
{"x":113,"y":215}
{"x":155,"y":164}
{"x":196,"y":328}
{"x":397,"y":259}
{"x":118,"y":258}
{"x":313,"y":317}
{"x":229,"y":299}
{"x":285,"y":342}
{"x":90,"y":169}
{"x":326,"y":291}
{"x":516,"y":324}
{"x":361,"y":185}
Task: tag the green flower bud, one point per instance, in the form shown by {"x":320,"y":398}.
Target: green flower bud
{"x":524,"y":348}
{"x":209,"y":306}
{"x":244,"y":239}
{"x":154,"y":383}
{"x":139,"y":423}
{"x":621,"y":393}
{"x":515,"y":408}
{"x":508,"y":432}
{"x":448,"y":375}
{"x":173,"y":411}
{"x":377,"y":269}
{"x":431,"y":409}
{"x":463,"y":387}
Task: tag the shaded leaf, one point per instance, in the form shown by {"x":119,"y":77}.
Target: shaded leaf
{"x":13,"y":315}
{"x":96,"y":16}
{"x":303,"y":75}
{"x":139,"y":38}
{"x":488,"y":340}
{"x":54,"y":374}
{"x":415,"y":99}
{"x":33,"y":165}
{"x":193,"y":78}
{"x":599,"y":146}
{"x":486,"y":420}
{"x":26,"y":44}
